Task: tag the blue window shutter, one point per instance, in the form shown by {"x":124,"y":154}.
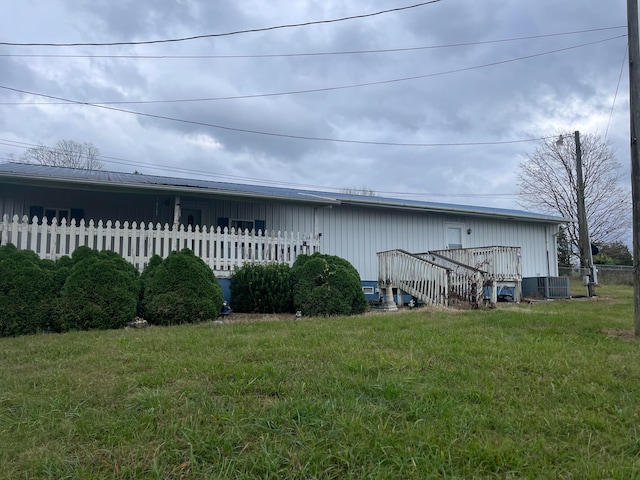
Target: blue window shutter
{"x":77,"y":214}
{"x":35,"y":211}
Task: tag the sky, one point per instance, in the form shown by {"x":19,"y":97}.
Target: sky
{"x":439,"y":102}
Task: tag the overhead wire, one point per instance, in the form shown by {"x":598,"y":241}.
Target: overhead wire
{"x":322,"y":89}
{"x":104,"y":104}
{"x":615,"y":96}
{"x":201,"y":173}
{"x":272,"y":134}
{"x":217,"y":35}
{"x":315,"y":54}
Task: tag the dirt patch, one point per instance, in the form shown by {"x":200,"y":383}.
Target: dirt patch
{"x":628,"y":335}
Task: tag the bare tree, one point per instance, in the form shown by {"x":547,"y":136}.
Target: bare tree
{"x":364,"y":191}
{"x":547,"y":183}
{"x":66,"y":153}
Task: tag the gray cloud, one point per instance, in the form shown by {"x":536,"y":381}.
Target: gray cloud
{"x":530,"y":98}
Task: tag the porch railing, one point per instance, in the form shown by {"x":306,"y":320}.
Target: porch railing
{"x":417,"y":276}
{"x":221,"y":249}
{"x":431,"y":278}
{"x":465,"y":282}
{"x":500,"y":263}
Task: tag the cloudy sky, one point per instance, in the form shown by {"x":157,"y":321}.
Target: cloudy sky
{"x":383,"y":102}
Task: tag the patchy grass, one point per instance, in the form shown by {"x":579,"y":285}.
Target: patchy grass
{"x":546,"y":390}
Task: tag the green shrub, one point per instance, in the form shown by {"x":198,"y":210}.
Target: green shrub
{"x":27,"y":293}
{"x":262,"y":288}
{"x":100,"y":292}
{"x":326,"y":285}
{"x":182,"y":289}
{"x":62,"y":270}
{"x":82,"y":253}
{"x":147,"y":273}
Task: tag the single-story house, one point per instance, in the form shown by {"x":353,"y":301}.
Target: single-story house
{"x":228,"y":224}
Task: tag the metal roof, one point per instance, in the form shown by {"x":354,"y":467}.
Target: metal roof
{"x":44,"y":174}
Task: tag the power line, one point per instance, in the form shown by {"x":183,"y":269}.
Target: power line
{"x":135,"y":163}
{"x":617,"y":88}
{"x":316,"y":90}
{"x":271,"y":134}
{"x":215,"y":35}
{"x":314,"y":54}
{"x":201,"y":173}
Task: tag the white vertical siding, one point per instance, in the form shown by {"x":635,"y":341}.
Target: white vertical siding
{"x":11,"y":206}
{"x":357,"y":234}
{"x":354,"y":233}
{"x":12,"y":202}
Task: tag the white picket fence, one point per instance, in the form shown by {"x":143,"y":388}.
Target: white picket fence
{"x":221,"y":249}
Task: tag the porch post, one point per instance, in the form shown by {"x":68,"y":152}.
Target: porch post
{"x":389,"y":304}
{"x":494,"y":292}
{"x":400,"y":298}
{"x":176,"y":212}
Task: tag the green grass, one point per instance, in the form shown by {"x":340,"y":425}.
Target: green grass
{"x":529,"y":391}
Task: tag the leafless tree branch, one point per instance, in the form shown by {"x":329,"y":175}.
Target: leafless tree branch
{"x":547,"y":183}
{"x":66,"y":153}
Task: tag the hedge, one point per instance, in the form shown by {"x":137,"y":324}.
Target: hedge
{"x":28,"y":293}
{"x":181,"y":289}
{"x":101,"y":291}
{"x":257,"y":288}
{"x":326,"y":285}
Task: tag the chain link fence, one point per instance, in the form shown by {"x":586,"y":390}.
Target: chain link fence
{"x":607,"y":274}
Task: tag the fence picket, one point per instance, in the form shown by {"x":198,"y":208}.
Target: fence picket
{"x":14,"y":229}
{"x":221,"y":249}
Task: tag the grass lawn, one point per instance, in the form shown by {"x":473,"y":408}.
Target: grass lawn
{"x":543,"y":390}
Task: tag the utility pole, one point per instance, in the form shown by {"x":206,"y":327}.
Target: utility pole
{"x":634,"y":105}
{"x":586,"y":259}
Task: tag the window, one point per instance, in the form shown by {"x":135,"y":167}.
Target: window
{"x":68,"y":214}
{"x":368,"y":290}
{"x":223,"y":223}
{"x":242,"y":225}
{"x":454,"y":236}
{"x":58,"y":213}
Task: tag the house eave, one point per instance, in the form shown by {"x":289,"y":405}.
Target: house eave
{"x":83,"y":183}
{"x":23,"y":174}
{"x":461,"y":210}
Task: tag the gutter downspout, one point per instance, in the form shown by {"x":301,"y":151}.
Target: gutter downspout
{"x":546,"y":280}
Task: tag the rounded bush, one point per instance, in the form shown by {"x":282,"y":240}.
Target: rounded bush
{"x":81,"y":253}
{"x":257,"y":288}
{"x":101,"y":291}
{"x":62,"y":270}
{"x":27,"y":293}
{"x":182,"y":289}
{"x":154,"y":263}
{"x":326,"y":285}
{"x":147,"y":273}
